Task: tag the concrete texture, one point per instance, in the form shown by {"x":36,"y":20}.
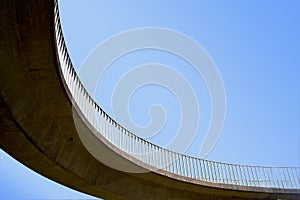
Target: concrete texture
{"x":37,"y":126}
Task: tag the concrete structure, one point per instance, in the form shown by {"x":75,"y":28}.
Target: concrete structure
{"x":37,"y":125}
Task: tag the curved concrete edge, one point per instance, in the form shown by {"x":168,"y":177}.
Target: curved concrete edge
{"x":37,"y":126}
{"x":17,"y":143}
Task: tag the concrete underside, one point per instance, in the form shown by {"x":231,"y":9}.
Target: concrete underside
{"x":37,"y":126}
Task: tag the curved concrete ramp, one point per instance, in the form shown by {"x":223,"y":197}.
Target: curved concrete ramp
{"x":37,"y":126}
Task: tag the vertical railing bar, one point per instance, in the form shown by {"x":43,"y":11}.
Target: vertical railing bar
{"x":201,"y":169}
{"x":154,"y":155}
{"x":253,"y":179}
{"x":159,"y":152}
{"x":281,"y":178}
{"x":194,"y":167}
{"x":222,"y":177}
{"x":245,"y":172}
{"x":298,"y":177}
{"x":130,"y":143}
{"x":169,"y":163}
{"x":290,"y":180}
{"x":285,"y":180}
{"x":273,"y":183}
{"x":215,"y":171}
{"x":189,"y":167}
{"x":295,"y":182}
{"x":265,"y":177}
{"x":133,"y":144}
{"x":240,"y":177}
{"x":211,"y":170}
{"x":138,"y":148}
{"x":229,"y":172}
{"x":217,"y":165}
{"x":256,"y":176}
{"x":126,"y":140}
{"x":278,"y":178}
{"x":218,"y":172}
{"x":183,"y":165}
{"x":234,"y":175}
{"x":112,"y":132}
{"x":146,"y":152}
{"x":197,"y":168}
{"x":186,"y":167}
{"x":293,"y":175}
{"x":272,"y":180}
{"x":204,"y":170}
{"x":207,"y":178}
{"x":226,"y":177}
{"x":142,"y":150}
{"x":178,"y":163}
{"x":163,"y":160}
{"x":179,"y":158}
{"x":119,"y":136}
{"x":150,"y":155}
{"x":122,"y":138}
{"x":174,"y":165}
{"x":157,"y":156}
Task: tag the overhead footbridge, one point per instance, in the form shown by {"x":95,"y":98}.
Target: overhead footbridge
{"x":52,"y":125}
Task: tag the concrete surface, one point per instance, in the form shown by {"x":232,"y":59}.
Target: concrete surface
{"x":37,"y":126}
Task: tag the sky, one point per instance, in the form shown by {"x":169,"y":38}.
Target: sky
{"x":255,"y":46}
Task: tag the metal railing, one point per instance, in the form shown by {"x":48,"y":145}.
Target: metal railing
{"x":158,"y":157}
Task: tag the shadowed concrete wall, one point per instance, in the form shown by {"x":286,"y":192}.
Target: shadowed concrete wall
{"x":37,"y":126}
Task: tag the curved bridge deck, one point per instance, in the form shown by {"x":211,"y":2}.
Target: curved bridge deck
{"x":39,"y":127}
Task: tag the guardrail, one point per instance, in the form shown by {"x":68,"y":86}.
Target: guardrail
{"x":158,"y":157}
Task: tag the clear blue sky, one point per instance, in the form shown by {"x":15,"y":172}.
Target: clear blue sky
{"x":256,"y":47}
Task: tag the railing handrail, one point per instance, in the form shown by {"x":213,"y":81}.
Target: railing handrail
{"x":244,"y":175}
